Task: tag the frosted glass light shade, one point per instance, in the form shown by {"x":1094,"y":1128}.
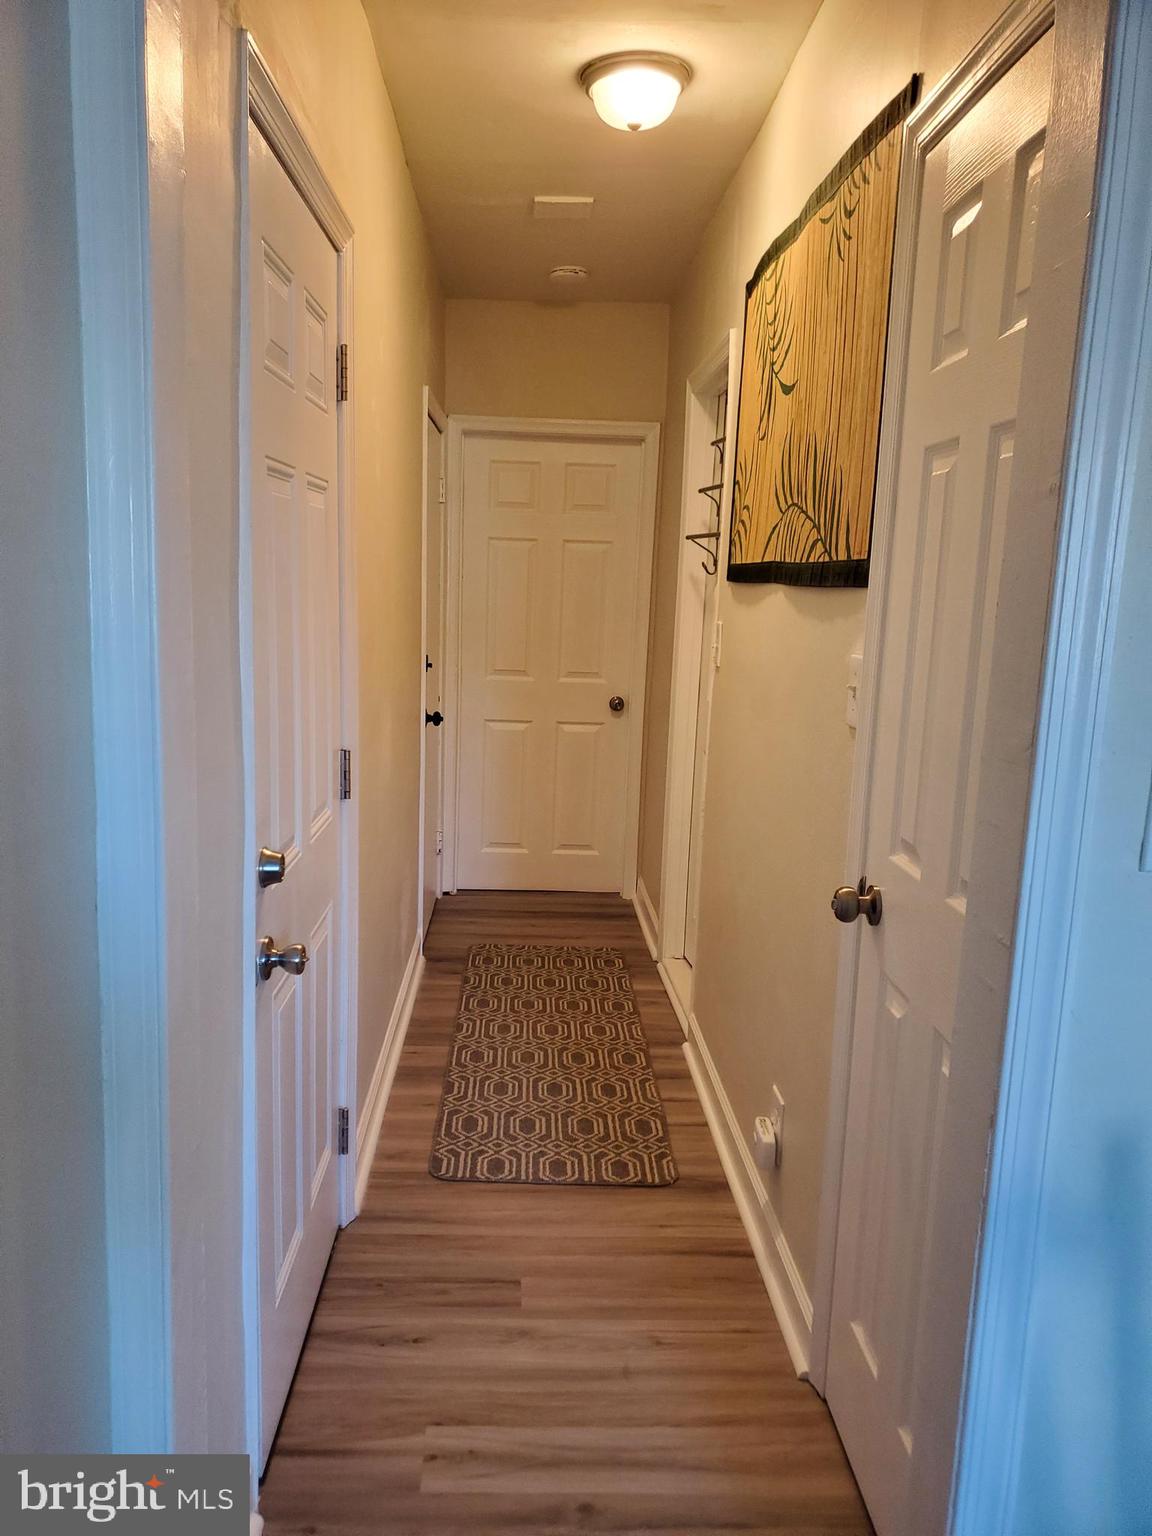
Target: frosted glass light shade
{"x":634,"y":91}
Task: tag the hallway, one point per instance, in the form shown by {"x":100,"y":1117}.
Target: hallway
{"x":498,"y":1359}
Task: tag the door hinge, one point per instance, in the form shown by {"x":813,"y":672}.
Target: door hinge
{"x":345,"y":773}
{"x":439,"y":841}
{"x":342,"y":1132}
{"x":342,"y":371}
{"x":442,"y":495}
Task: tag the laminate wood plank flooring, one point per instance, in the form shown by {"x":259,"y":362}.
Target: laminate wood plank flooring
{"x":489,"y":1359}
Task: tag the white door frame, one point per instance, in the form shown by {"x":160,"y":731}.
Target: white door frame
{"x":264,"y":110}
{"x":1045,"y":397}
{"x":431,"y":410}
{"x":646,"y":436}
{"x":141,"y":726}
{"x":719,"y":369}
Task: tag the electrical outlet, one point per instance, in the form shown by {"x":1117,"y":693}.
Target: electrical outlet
{"x":764,"y":1143}
{"x":776,"y":1116}
{"x":768,"y":1134}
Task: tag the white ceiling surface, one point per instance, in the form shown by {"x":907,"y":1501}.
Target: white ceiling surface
{"x":491,"y":114}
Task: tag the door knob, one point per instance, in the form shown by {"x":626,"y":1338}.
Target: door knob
{"x":616,"y":703}
{"x":270,"y":866}
{"x":435,"y":718}
{"x":850,"y":902}
{"x":292,"y":958}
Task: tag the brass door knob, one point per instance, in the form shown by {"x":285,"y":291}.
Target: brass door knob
{"x":292,"y":958}
{"x":850,"y":902}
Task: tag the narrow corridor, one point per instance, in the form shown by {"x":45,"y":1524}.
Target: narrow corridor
{"x":489,"y":1358}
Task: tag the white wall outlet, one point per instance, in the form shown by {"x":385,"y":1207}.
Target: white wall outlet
{"x":851,"y":712}
{"x":777,"y":1118}
{"x":768,"y":1134}
{"x":764,"y":1143}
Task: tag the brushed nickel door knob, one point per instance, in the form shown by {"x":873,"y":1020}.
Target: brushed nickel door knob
{"x":292,"y":958}
{"x":850,"y":902}
{"x":616,"y":703}
{"x":270,"y":866}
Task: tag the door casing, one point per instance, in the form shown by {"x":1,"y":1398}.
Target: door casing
{"x":646,"y":435}
{"x":264,"y":110}
{"x":1029,"y":559}
{"x":1101,"y":497}
{"x":719,"y":370}
{"x":431,"y":411}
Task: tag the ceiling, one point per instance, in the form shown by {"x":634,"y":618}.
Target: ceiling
{"x":491,"y":115}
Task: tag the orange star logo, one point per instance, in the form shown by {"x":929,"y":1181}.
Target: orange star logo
{"x":153,"y":1482}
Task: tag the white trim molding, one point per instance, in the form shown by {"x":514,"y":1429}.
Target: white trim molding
{"x":430,"y":411}
{"x":370,"y":1120}
{"x":646,"y":435}
{"x":272,"y":115}
{"x":1114,"y":376}
{"x":778,"y":1270}
{"x":114,"y":232}
{"x":676,"y":974}
{"x":647,"y":917}
{"x":719,"y":370}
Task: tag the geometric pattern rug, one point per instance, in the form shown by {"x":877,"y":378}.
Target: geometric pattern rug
{"x":549,"y":1079}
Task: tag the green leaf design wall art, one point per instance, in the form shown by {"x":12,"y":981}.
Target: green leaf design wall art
{"x":815,"y":329}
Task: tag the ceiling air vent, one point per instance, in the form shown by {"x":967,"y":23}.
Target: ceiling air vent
{"x":566,"y":208}
{"x":568,"y":277}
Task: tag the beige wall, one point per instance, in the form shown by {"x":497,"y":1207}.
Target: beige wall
{"x":325,"y":63}
{"x":594,"y":362}
{"x":53,"y":1293}
{"x":781,"y":751}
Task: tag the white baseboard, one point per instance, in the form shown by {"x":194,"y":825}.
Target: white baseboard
{"x":371,"y":1117}
{"x":782,"y":1280}
{"x":646,"y":916}
{"x":673,"y":974}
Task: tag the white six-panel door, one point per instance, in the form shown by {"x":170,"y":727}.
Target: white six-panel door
{"x":548,"y":623}
{"x":295,"y":615}
{"x":976,"y":230}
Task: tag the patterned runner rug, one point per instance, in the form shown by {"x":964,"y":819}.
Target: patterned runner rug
{"x":549,"y":1080}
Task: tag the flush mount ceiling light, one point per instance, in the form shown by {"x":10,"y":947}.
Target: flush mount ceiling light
{"x":633,"y":91}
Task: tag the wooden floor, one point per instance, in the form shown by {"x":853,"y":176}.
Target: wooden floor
{"x":514,"y":1359}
